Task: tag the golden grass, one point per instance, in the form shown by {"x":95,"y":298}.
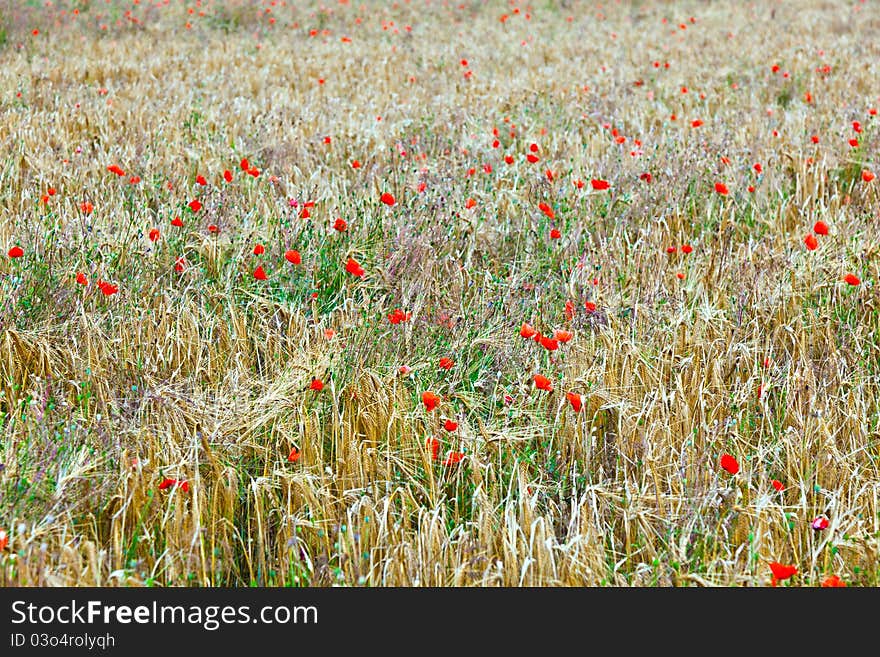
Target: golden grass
{"x":203,"y":375}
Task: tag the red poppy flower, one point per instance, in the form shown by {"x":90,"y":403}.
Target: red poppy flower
{"x":81,"y":279}
{"x":527,"y":331}
{"x":4,"y":539}
{"x":543,"y":383}
{"x":260,"y":274}
{"x":292,"y":256}
{"x":114,"y":168}
{"x":429,"y":399}
{"x":721,"y":188}
{"x":546,"y":209}
{"x":811,"y":242}
{"x":353,"y":268}
{"x":696,"y":123}
{"x":107,"y":289}
{"x":781,"y":571}
{"x":729,"y":464}
{"x":446,"y":363}
{"x":833,"y":582}
{"x":259,"y":249}
{"x":170,"y":483}
{"x":227,"y":175}
{"x":590,"y":306}
{"x":599,"y":185}
{"x":340,"y":225}
{"x":316,"y":384}
{"x":852,"y":279}
{"x":387,"y":198}
{"x":200,"y":179}
{"x":778,"y":485}
{"x":555,"y":234}
{"x":244,"y":164}
{"x":195,"y":205}
{"x":575,"y":400}
{"x":450,"y":426}
{"x":561,"y":335}
{"x":355,"y":164}
{"x":398,"y":316}
{"x":549,"y":343}
{"x":177,"y":221}
{"x":867,"y":176}
{"x":820,"y":228}
{"x":86,"y":207}
{"x":213,"y":228}
{"x":434,"y":445}
{"x":294,"y":455}
{"x":757,"y":167}
{"x":686,"y":248}
{"x":15,"y":252}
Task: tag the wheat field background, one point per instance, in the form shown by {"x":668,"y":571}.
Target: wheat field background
{"x":182,"y":407}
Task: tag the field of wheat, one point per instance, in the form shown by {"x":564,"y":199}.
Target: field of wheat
{"x":430,"y":293}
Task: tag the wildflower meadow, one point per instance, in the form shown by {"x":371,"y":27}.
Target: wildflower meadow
{"x":438,"y":293}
